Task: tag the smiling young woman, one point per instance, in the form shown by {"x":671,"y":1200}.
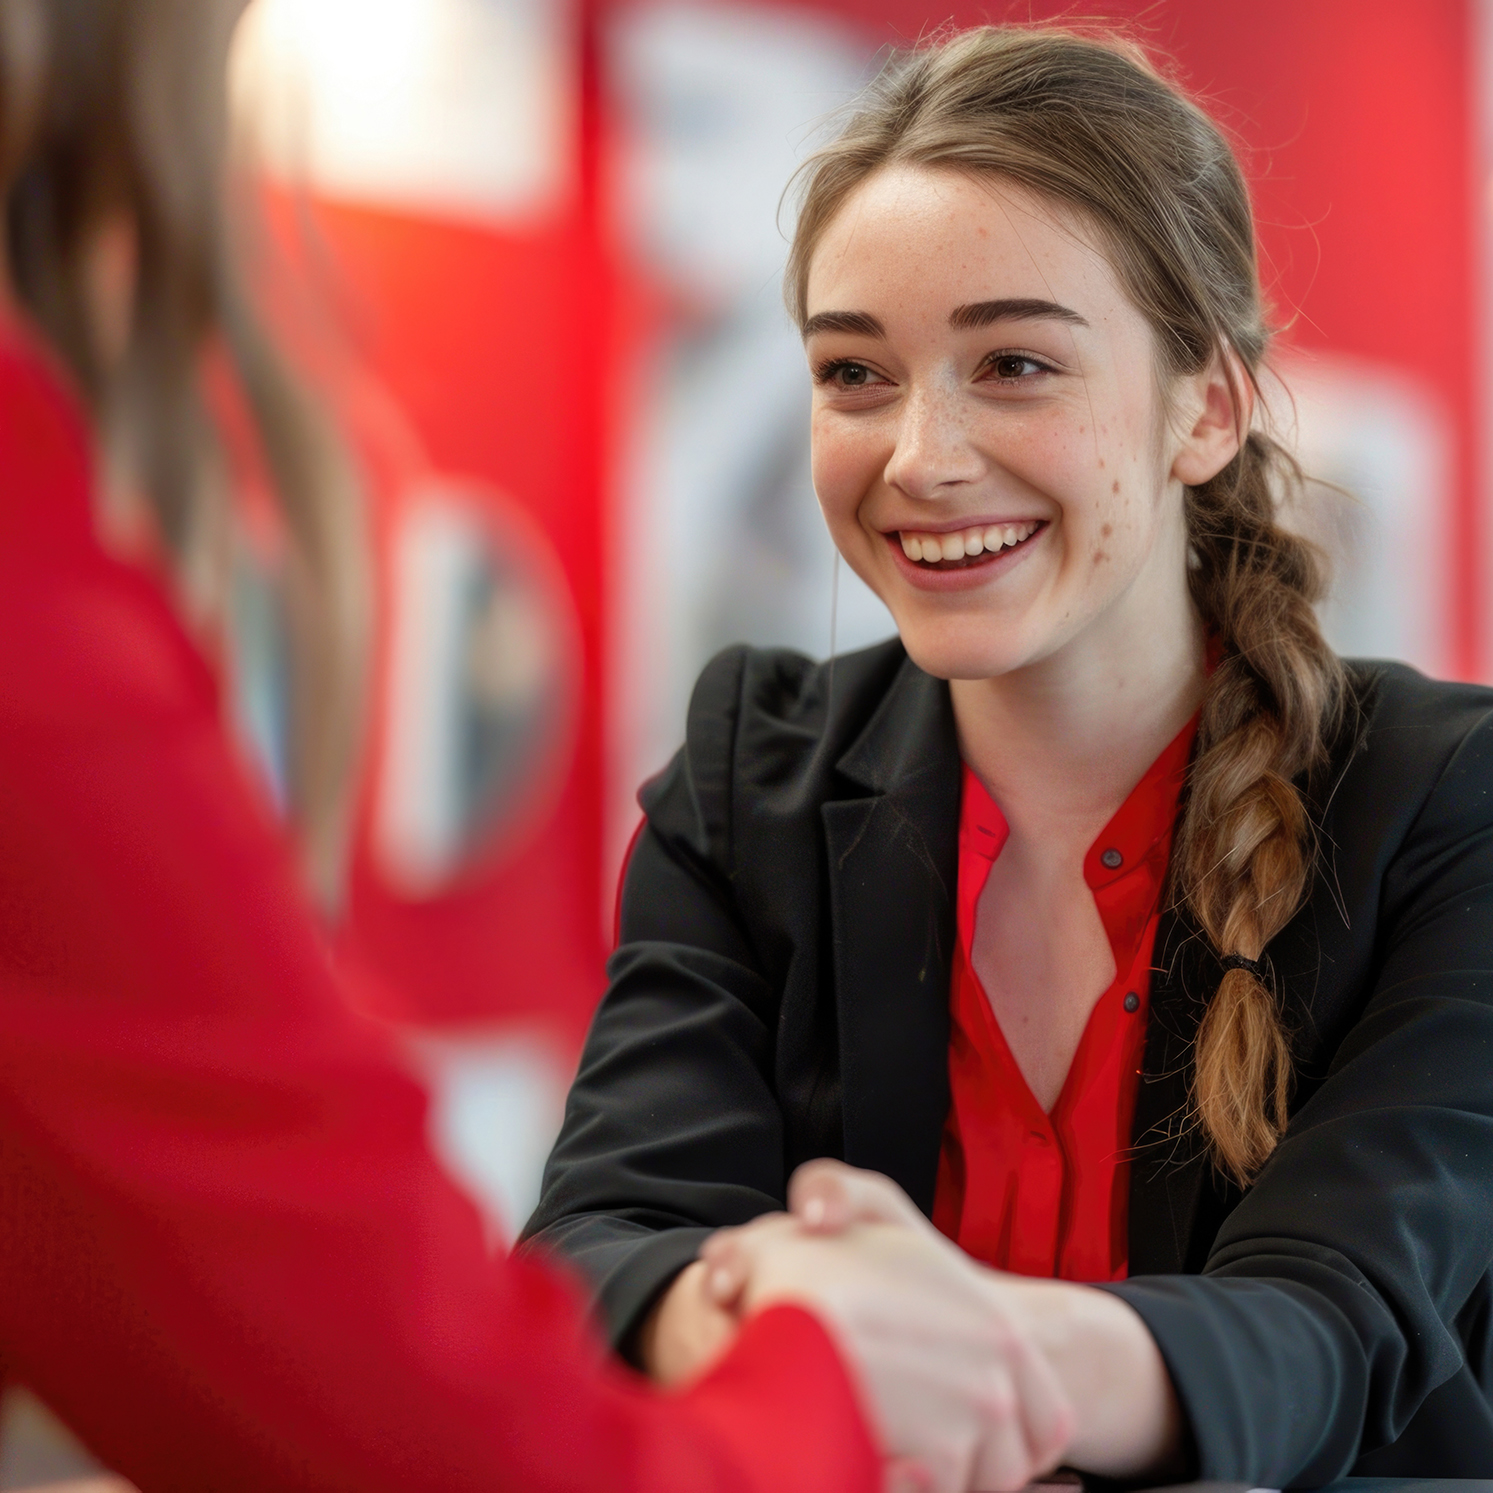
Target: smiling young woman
{"x":1141,"y":940}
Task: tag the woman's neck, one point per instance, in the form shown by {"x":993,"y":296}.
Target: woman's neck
{"x":1060,"y":743}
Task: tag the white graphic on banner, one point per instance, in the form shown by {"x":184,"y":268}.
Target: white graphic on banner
{"x":1381,"y":448}
{"x":720,"y":539}
{"x":463,"y":108}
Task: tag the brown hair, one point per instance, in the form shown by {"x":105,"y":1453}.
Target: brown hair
{"x":116,"y":111}
{"x":1088,"y":122}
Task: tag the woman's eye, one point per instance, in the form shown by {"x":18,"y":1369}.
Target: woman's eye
{"x":846,"y":375}
{"x":1008,"y":367}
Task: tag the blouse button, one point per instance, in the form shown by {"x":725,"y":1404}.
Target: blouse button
{"x":1111,"y":859}
{"x":1132,"y":1002}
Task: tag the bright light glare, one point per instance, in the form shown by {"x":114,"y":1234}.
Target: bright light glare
{"x":459,"y":107}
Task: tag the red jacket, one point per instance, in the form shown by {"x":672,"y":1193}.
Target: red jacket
{"x":229,"y":1261}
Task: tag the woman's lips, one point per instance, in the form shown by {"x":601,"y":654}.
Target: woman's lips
{"x":976,"y":566}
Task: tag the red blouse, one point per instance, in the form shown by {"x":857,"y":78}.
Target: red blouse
{"x":1023,"y":1190}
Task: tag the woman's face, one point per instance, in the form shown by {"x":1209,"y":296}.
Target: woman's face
{"x":990,"y":446}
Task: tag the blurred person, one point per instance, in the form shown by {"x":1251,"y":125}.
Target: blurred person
{"x":230,"y":1260}
{"x":1107,"y":916}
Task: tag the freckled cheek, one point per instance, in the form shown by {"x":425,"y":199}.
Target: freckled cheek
{"x":1064,"y":472}
{"x":1097,"y":522}
{"x":845,"y":470}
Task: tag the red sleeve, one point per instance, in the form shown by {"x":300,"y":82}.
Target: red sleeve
{"x":229,"y":1260}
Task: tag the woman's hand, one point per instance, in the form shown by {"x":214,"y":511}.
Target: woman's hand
{"x":1129,"y":1423}
{"x":956,"y":1385}
{"x":686,"y":1331}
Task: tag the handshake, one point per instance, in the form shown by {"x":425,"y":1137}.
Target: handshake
{"x":977,"y":1381}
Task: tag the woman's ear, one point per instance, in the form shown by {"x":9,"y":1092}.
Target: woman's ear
{"x":1220,"y":403}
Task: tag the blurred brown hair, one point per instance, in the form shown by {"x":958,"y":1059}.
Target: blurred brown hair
{"x":116,"y":112}
{"x":1086,"y":120}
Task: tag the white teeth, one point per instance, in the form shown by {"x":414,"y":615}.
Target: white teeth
{"x":931,"y":548}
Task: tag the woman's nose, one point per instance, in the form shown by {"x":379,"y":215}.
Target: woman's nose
{"x":933,"y":452}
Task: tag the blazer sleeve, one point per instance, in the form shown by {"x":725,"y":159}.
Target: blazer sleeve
{"x":673,"y":1127}
{"x":230,"y":1260}
{"x":1330,"y":1306}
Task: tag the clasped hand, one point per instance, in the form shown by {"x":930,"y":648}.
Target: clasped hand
{"x":961,"y":1395}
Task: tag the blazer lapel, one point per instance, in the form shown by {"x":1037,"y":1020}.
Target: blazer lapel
{"x":1169,"y":1163}
{"x":892,"y":867}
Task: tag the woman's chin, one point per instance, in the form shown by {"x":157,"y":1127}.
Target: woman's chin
{"x":945,"y":657}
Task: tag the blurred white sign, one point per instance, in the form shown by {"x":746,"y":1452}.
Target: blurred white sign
{"x":721,"y":104}
{"x":480,"y":692}
{"x":721,"y":539}
{"x":496,"y":1102}
{"x":1379,"y":446}
{"x":461,"y":108}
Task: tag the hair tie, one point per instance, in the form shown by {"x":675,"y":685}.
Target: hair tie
{"x":1255,"y":967}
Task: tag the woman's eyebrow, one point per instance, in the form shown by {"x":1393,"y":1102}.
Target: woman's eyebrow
{"x":983,"y":313}
{"x":962,"y":318}
{"x":860,"y":323}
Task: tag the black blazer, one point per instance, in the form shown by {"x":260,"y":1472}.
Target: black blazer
{"x":781,"y":992}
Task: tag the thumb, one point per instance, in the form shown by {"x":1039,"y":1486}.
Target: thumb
{"x":827,"y":1196}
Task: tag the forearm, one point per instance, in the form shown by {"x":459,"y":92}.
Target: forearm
{"x":1128,"y":1420}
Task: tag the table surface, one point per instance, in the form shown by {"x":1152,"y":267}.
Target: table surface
{"x":106,"y":1484}
{"x":1355,"y":1485}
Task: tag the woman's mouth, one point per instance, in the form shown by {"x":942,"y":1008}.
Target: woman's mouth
{"x":963,"y":548}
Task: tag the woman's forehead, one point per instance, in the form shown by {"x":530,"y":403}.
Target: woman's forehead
{"x":938,"y":234}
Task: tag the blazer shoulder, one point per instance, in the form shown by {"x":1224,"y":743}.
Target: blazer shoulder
{"x":761,"y":719}
{"x":778,"y":686}
{"x":1398,"y":694}
{"x":1414,"y":760}
{"x":751,"y":704}
{"x":1411,"y":725}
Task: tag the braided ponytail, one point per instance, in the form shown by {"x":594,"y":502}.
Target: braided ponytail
{"x":1242,"y":860}
{"x":1087,"y":121}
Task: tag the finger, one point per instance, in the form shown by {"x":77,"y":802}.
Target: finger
{"x":907,"y":1475}
{"x":730,"y":1256}
{"x":728,"y":1265}
{"x":820,"y":1196}
{"x":827,"y":1196}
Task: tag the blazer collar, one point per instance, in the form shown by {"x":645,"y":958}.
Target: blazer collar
{"x":909,"y":738}
{"x":892,"y":864}
{"x":893,"y":874}
{"x":893,"y":870}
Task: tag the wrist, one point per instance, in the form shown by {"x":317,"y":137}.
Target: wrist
{"x":1128,"y":1422}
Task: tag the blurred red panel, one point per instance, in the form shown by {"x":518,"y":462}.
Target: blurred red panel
{"x":494,"y":348}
